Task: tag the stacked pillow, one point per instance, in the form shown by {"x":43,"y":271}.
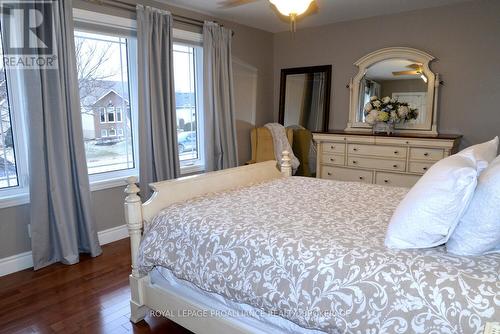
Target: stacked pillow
{"x":433,"y":208}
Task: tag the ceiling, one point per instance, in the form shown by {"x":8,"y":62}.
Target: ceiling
{"x":383,"y":70}
{"x":260,"y":15}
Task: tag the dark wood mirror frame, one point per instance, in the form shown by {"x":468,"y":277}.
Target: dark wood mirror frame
{"x":327,"y":69}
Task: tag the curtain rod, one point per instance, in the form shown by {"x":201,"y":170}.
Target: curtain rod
{"x":131,"y":7}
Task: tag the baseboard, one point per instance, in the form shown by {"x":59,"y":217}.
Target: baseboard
{"x":112,"y":234}
{"x":18,"y":262}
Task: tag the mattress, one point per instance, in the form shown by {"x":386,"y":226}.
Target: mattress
{"x":311,"y":251}
{"x":253,"y":319}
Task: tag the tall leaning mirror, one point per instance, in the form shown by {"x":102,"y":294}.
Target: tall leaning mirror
{"x":399,"y":74}
{"x":305,"y":97}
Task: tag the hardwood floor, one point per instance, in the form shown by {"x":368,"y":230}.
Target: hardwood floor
{"x":89,"y":297}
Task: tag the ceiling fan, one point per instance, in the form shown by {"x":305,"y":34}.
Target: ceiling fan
{"x":289,"y":8}
{"x":416,"y":69}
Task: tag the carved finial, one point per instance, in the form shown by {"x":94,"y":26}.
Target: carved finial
{"x":132,"y":187}
{"x":286,"y":164}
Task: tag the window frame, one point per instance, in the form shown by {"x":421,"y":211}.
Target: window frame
{"x":110,"y":25}
{"x":17,"y":195}
{"x":194,"y":40}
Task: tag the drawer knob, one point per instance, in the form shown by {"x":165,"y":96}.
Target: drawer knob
{"x":407,"y":142}
{"x":425,"y":168}
{"x":355,"y":149}
{"x":354,"y":162}
{"x":332,"y":147}
{"x":332,"y":159}
{"x":361,"y":178}
{"x":329,"y":174}
{"x":396,"y":152}
{"x":386,"y":181}
{"x":426,"y":154}
{"x":395,"y":166}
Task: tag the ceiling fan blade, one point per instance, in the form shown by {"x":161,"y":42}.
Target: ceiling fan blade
{"x":405,"y":73}
{"x":416,"y":66}
{"x":234,"y":3}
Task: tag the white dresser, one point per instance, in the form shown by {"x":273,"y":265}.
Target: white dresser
{"x":387,"y":160}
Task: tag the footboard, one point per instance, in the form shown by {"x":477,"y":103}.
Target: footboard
{"x":178,"y":190}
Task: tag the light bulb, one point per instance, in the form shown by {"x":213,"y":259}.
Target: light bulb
{"x":292,"y":7}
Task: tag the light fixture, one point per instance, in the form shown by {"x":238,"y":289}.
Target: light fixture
{"x":423,"y":77}
{"x":292,"y":9}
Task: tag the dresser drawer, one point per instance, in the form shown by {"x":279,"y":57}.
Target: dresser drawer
{"x":331,"y":148}
{"x":396,"y":180}
{"x":419,"y":167}
{"x":396,"y":165}
{"x":333,"y":159}
{"x":377,"y":151}
{"x":430,"y":154}
{"x":346,"y":174}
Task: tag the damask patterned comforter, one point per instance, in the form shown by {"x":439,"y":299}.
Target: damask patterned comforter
{"x":312,"y":252}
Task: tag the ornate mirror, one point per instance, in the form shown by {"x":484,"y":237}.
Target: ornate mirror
{"x":399,"y":73}
{"x":305,"y":97}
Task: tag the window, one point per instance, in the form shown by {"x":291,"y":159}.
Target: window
{"x":102,"y":115}
{"x":120,"y":132}
{"x":8,"y":169}
{"x":104,"y":62}
{"x":188,"y":81}
{"x":13,"y":150}
{"x":118,"y":115}
{"x":111,"y":114}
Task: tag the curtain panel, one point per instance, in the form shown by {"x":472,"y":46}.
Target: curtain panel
{"x":219,"y":110}
{"x":158,"y":152}
{"x":62,"y":222}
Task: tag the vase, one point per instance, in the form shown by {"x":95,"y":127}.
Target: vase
{"x":383,"y":127}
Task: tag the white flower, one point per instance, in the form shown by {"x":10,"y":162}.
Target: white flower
{"x":389,"y":106}
{"x":377,"y":103}
{"x":403,"y":111}
{"x":393,"y":100}
{"x":386,"y":99}
{"x":373,"y":98}
{"x":370,"y":118}
{"x":368,"y":107}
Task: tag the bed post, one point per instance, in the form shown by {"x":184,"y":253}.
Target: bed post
{"x":133,"y":217}
{"x":286,"y":165}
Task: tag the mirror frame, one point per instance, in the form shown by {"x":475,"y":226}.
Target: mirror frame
{"x":327,"y":69}
{"x":430,"y":126}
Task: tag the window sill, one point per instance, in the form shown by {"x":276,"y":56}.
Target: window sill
{"x":14,"y":200}
{"x":109,"y":183}
{"x":192,"y":169}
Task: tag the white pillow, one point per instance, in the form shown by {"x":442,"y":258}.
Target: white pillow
{"x":478,"y":231}
{"x":432,"y":208}
{"x":483,"y":153}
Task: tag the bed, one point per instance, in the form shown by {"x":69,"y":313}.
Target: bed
{"x":253,"y":250}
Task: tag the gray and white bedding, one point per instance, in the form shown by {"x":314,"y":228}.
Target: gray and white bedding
{"x":312,"y":251}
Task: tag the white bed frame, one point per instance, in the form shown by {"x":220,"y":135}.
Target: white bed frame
{"x":145,"y":296}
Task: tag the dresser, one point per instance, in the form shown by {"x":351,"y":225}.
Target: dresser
{"x":396,"y":160}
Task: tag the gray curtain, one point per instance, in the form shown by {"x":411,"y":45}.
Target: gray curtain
{"x":62,"y":225}
{"x":219,"y":112}
{"x":158,"y":157}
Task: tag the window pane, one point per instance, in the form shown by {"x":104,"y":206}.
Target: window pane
{"x":8,"y":170}
{"x":185,"y":99}
{"x":104,"y":87}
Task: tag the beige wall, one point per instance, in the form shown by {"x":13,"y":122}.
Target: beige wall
{"x":252,"y":47}
{"x":465,"y":39}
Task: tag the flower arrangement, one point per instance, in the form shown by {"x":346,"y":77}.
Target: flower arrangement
{"x":388,"y":110}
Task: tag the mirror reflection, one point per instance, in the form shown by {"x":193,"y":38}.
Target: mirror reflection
{"x":399,"y":79}
{"x":305,"y":95}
